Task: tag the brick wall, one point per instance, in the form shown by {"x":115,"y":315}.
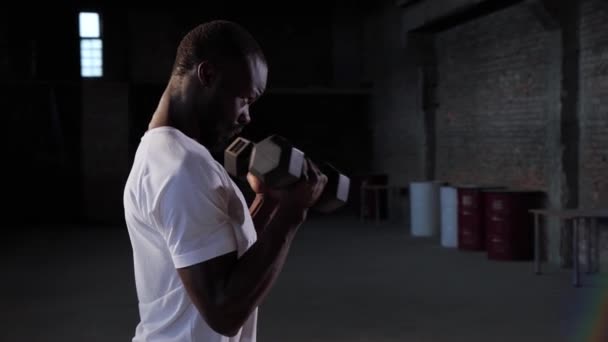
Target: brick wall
{"x":594,"y":114}
{"x":491,"y":120}
{"x":593,"y":184}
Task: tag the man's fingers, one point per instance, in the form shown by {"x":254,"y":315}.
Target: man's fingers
{"x":313,"y":173}
{"x":316,"y":170}
{"x":321,"y":185}
{"x":324,"y":180}
{"x":305,"y":168}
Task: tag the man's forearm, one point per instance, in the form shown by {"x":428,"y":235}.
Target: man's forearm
{"x":262,"y":210}
{"x":256,"y":271}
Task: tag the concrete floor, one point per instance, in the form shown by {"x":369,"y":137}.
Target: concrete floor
{"x":344,"y":281}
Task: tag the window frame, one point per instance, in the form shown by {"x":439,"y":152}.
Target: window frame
{"x":94,"y":70}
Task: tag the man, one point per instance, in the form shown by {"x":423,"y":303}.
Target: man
{"x":203,"y":260}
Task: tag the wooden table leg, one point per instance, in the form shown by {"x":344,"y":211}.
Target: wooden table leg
{"x":595,"y":236}
{"x":589,"y":236}
{"x":377,"y":206}
{"x":576,"y":277}
{"x":362,"y":209}
{"x":537,"y":243}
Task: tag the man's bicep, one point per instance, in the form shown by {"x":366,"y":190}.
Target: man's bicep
{"x":205,"y":284}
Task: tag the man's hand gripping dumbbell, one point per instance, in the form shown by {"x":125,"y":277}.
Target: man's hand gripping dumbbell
{"x":279,"y":164}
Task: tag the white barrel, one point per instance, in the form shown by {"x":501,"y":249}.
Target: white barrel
{"x":424,"y":208}
{"x":449,"y":216}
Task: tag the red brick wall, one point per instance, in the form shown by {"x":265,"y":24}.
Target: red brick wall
{"x":491,"y":123}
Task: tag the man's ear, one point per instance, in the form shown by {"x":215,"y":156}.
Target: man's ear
{"x":206,"y":73}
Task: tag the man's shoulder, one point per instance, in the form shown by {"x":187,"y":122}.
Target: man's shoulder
{"x":170,"y":148}
{"x":166,"y":157}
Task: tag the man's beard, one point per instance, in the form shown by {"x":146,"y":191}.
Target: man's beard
{"x":211,"y":137}
{"x":215,"y":133}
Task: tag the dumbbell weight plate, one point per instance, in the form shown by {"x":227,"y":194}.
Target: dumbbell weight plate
{"x":336,"y":191}
{"x":237,"y":157}
{"x":276,"y":162}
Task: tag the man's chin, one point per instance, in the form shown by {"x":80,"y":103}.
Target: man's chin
{"x":217,"y":152}
{"x":221,"y":142}
{"x":230,"y":137}
{"x":220,"y":145}
{"x":233,"y":135}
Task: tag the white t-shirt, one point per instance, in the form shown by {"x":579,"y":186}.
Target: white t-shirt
{"x":181,"y":208}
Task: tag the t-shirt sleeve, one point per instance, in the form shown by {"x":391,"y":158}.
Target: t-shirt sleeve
{"x":192,"y":215}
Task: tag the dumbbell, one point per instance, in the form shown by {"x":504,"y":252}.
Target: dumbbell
{"x":277,"y":163}
{"x":237,"y":156}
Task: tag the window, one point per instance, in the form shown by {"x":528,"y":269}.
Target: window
{"x":91,"y":56}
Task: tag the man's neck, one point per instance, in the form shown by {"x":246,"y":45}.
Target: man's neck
{"x":172,"y":111}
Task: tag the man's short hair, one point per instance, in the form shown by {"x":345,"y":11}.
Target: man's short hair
{"x":214,"y":40}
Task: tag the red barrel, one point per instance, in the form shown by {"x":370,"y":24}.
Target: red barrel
{"x":470,"y":219}
{"x":509,"y":224}
{"x":471,"y":231}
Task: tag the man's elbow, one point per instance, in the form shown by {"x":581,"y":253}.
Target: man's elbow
{"x":228,"y":330}
{"x":224,"y":324}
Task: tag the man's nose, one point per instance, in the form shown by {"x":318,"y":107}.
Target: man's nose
{"x":244,"y":117}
